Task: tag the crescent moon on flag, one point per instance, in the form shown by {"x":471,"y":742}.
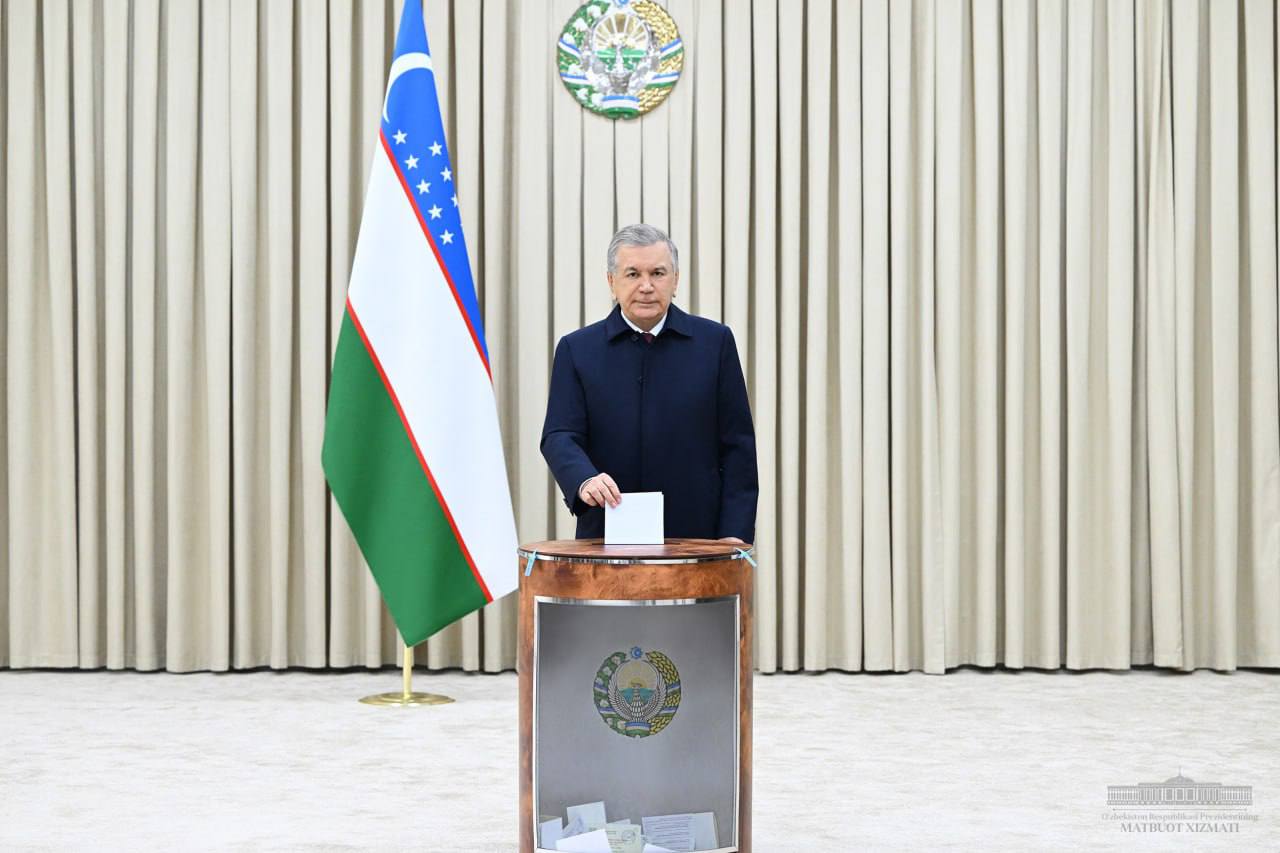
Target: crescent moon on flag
{"x":403,"y":63}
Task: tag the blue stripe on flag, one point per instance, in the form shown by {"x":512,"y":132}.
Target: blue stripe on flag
{"x":415,"y":135}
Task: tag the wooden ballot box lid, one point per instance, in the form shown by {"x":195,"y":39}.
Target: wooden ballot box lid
{"x":673,"y":550}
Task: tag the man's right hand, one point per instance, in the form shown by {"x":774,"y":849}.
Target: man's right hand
{"x":600,"y":490}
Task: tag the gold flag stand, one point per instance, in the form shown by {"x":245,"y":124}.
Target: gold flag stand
{"x":407,"y":696}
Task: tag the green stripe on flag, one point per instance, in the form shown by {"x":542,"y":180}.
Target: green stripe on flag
{"x":388,"y":501}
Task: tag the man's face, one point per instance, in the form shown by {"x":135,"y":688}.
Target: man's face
{"x":644,"y":283}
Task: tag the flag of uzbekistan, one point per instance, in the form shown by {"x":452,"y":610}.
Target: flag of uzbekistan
{"x":412,"y":450}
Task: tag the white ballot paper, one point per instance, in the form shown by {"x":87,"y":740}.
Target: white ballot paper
{"x":682,"y":832}
{"x":673,"y":831}
{"x":587,"y":842}
{"x":704,"y":831}
{"x":549,"y":832}
{"x":592,"y":815}
{"x":636,"y":520}
{"x":575,"y":827}
{"x":624,"y":839}
{"x":598,"y":842}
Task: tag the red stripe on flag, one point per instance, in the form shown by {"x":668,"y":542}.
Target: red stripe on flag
{"x":444,"y":270}
{"x":395,"y":401}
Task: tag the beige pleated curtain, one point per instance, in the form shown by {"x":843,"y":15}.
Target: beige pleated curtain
{"x":1003,"y":275}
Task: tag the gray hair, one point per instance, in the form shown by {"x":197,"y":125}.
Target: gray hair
{"x":641,"y":235}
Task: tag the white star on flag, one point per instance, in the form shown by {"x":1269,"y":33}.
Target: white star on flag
{"x":400,"y":137}
{"x":424,"y":187}
{"x":446,"y":174}
{"x":435,"y":149}
{"x":411,"y":163}
{"x":455,"y":199}
{"x":434,"y":211}
{"x":446,"y":237}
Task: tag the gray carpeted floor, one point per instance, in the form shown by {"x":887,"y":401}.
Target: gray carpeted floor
{"x":974,"y":760}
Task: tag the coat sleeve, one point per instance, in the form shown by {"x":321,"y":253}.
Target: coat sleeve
{"x":564,"y":432}
{"x":740,"y":487}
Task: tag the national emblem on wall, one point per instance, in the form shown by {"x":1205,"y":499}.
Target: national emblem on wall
{"x":620,"y":58}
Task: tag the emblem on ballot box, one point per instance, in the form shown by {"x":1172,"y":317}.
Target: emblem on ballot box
{"x":636,"y":692}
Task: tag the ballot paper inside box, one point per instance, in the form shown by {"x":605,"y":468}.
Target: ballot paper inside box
{"x":636,"y":705}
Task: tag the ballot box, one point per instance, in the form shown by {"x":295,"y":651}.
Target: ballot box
{"x":635,"y":696}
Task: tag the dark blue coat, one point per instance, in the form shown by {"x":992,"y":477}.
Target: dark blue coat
{"x":670,"y":416}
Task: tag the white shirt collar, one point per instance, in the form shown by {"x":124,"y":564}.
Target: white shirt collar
{"x":655,"y":331}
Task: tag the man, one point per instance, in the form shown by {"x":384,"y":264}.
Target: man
{"x":651,"y":399}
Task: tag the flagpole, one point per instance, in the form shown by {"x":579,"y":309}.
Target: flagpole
{"x":407,"y":696}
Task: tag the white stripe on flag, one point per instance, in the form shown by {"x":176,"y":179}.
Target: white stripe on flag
{"x":422,"y":340}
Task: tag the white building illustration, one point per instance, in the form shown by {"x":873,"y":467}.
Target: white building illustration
{"x":1179,"y":791}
